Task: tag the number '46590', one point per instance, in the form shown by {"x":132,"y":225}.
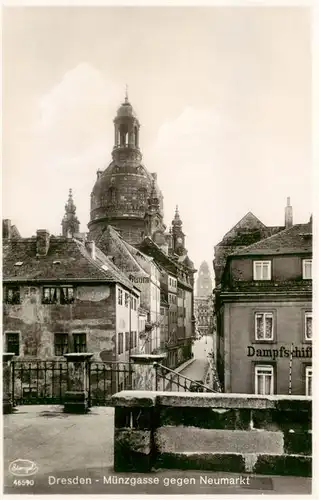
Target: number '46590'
{"x":23,"y":482}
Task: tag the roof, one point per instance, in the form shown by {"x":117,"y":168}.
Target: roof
{"x":104,"y":261}
{"x":296,"y":239}
{"x":248,"y":231}
{"x":176,"y":261}
{"x":249,"y":221}
{"x":111,"y":243}
{"x":67,"y":259}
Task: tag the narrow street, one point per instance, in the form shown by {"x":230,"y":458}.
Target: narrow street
{"x":197,"y":369}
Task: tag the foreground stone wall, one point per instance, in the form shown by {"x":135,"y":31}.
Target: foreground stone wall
{"x":217,"y":432}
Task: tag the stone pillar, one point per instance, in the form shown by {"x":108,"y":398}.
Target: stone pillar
{"x":145,"y":371}
{"x":7,"y":402}
{"x":76,"y":397}
{"x":135,"y":419}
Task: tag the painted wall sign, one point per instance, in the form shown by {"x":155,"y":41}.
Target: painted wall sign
{"x":139,"y":279}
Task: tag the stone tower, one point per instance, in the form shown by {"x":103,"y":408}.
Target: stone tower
{"x":125,"y":194}
{"x":204,"y":281}
{"x":178,"y":235}
{"x":70,"y":223}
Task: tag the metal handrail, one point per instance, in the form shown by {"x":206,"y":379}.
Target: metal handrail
{"x":156,"y":364}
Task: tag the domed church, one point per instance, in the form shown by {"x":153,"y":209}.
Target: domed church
{"x":126,"y":194}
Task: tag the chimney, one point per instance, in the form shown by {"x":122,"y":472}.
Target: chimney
{"x":91,"y":248}
{"x":288,"y":214}
{"x":6,"y":229}
{"x":43,"y":242}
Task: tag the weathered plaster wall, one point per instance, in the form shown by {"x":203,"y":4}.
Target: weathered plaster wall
{"x":93,"y":312}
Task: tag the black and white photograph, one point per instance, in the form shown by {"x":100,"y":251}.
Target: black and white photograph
{"x":157,"y":223}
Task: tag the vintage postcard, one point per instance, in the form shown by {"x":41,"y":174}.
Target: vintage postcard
{"x":157,"y":250}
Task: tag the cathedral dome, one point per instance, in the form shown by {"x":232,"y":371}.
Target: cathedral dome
{"x":122,"y":190}
{"x":121,"y":194}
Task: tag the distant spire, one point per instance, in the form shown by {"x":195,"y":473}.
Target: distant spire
{"x":70,"y":222}
{"x":177,"y":220}
{"x":70,"y":207}
{"x":126,"y":93}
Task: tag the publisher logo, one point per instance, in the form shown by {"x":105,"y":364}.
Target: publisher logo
{"x":22,"y":468}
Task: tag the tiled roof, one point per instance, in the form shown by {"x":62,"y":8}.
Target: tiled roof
{"x":296,"y":239}
{"x":67,"y":259}
{"x":113,"y":269}
{"x":111,"y":242}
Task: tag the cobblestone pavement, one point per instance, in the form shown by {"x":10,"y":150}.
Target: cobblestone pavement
{"x":80,"y":448}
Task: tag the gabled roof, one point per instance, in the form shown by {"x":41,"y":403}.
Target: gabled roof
{"x":249,"y":221}
{"x":296,"y":239}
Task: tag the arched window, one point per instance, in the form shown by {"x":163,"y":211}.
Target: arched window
{"x":123,"y":135}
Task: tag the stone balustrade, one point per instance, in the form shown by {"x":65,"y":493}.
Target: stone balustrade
{"x":217,"y":432}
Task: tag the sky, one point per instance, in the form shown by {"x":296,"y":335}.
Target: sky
{"x":223,"y":96}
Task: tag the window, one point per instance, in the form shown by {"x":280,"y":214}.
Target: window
{"x":61,"y":344}
{"x":126,"y":299}
{"x":264,"y":326}
{"x":58,"y":295}
{"x":12,"y":295}
{"x":262,"y":270}
{"x":50,"y":295}
{"x":120,"y":297}
{"x":79,"y":341}
{"x":13,"y":343}
{"x":127,"y":341}
{"x":307,"y":269}
{"x":264,"y":379}
{"x":308,"y":326}
{"x":120,"y":346}
{"x":66,"y":295}
{"x":134,"y":304}
{"x":133,"y":340}
{"x":308,"y":380}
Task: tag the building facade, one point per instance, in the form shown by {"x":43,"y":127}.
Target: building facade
{"x":60,"y":296}
{"x":263,"y":306}
{"x":203,"y":307}
{"x":177,"y":285}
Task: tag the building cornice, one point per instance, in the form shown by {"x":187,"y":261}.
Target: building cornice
{"x":265,"y":296}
